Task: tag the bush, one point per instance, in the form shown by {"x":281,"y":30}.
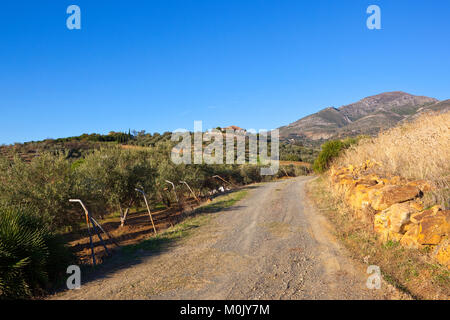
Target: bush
{"x":331,"y":150}
{"x":31,"y":257}
{"x":45,"y":183}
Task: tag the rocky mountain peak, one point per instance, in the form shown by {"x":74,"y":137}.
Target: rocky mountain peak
{"x":366,"y":116}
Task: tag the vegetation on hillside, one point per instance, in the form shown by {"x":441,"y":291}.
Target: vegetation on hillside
{"x":295,"y":151}
{"x":80,"y":146}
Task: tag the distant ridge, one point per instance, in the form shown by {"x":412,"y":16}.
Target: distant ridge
{"x":367,"y":116}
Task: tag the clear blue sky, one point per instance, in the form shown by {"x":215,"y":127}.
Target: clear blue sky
{"x":160,"y":65}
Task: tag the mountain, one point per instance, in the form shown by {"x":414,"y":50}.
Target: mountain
{"x":367,"y":116}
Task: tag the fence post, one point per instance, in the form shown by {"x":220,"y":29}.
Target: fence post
{"x":86,"y":213}
{"x":148,"y":208}
{"x":191,"y":191}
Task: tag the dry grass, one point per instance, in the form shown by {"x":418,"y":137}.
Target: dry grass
{"x":415,"y":150}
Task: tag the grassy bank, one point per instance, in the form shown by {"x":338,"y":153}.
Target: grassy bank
{"x":415,"y":150}
{"x":407,"y":269}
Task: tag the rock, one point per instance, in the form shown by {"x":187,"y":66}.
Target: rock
{"x":409,"y":239}
{"x":371,"y":177}
{"x":398,"y":215}
{"x":433,"y":227}
{"x":417,"y":217}
{"x":357,"y":196}
{"x":442,"y":253}
{"x":386,"y":235}
{"x":380,"y":224}
{"x":388,"y":195}
{"x":345,"y":183}
{"x":391,"y":223}
{"x":365,"y":181}
{"x":418,"y":205}
{"x":408,"y":227}
{"x":423,"y":185}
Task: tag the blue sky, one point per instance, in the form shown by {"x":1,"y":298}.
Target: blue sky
{"x":160,"y":65}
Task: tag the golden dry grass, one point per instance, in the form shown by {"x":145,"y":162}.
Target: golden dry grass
{"x":414,"y":150}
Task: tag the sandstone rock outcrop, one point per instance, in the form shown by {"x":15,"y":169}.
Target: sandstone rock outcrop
{"x":395,"y":207}
{"x":391,"y":194}
{"x":432,"y":228}
{"x":442,"y":253}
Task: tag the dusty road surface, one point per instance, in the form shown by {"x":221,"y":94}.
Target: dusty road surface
{"x":270,"y":245}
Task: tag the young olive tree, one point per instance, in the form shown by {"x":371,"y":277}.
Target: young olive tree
{"x":113,"y":174}
{"x":45,"y":183}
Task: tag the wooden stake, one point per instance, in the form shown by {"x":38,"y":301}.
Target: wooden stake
{"x":148,"y":208}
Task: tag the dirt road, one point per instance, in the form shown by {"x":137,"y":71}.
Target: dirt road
{"x":270,"y":245}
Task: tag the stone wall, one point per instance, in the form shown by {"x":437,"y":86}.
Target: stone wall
{"x":395,"y":207}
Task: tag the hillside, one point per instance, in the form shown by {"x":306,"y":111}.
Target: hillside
{"x":367,"y":116}
{"x":80,"y":146}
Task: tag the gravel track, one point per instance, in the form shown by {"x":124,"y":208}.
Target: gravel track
{"x":270,"y":245}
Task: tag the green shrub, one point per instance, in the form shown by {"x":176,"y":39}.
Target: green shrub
{"x":31,"y":257}
{"x":331,"y":150}
{"x":46,"y":183}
